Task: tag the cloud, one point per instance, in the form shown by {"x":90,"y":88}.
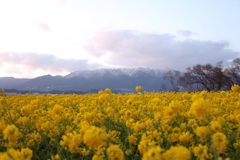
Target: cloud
{"x":184,"y":33}
{"x":46,"y":62}
{"x":43,"y":26}
{"x":101,"y":41}
{"x":128,"y":48}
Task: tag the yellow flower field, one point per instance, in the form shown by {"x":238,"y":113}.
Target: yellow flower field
{"x":105,"y":126}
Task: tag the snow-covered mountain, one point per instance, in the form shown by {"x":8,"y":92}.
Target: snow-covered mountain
{"x":100,"y":73}
{"x":119,"y":80}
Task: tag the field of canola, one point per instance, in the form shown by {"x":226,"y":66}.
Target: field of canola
{"x":105,"y":126}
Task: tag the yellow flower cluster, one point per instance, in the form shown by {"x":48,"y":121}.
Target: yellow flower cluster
{"x":138,"y":88}
{"x":106,"y":126}
{"x":235,"y":88}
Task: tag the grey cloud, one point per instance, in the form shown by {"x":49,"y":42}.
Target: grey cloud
{"x":133,"y":49}
{"x":46,"y":62}
{"x":184,"y":33}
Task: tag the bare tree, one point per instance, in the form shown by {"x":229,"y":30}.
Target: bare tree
{"x":220,"y":78}
{"x":163,"y":87}
{"x":234,"y":72}
{"x":207,"y":77}
{"x":173,"y":77}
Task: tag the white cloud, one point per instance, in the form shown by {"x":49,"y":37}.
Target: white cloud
{"x":45,"y":62}
{"x":43,"y":26}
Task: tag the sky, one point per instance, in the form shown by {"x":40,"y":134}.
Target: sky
{"x":39,"y":37}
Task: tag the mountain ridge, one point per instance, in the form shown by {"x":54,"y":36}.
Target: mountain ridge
{"x":120,"y":80}
{"x":116,"y":72}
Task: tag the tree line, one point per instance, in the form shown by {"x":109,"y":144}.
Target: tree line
{"x":204,"y":77}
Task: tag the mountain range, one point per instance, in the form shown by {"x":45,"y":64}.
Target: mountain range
{"x":118,"y":80}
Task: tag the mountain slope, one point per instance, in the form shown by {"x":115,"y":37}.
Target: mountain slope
{"x":119,"y":80}
{"x":11,"y":82}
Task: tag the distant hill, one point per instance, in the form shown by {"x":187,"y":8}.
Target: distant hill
{"x":11,"y":82}
{"x":118,"y":80}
